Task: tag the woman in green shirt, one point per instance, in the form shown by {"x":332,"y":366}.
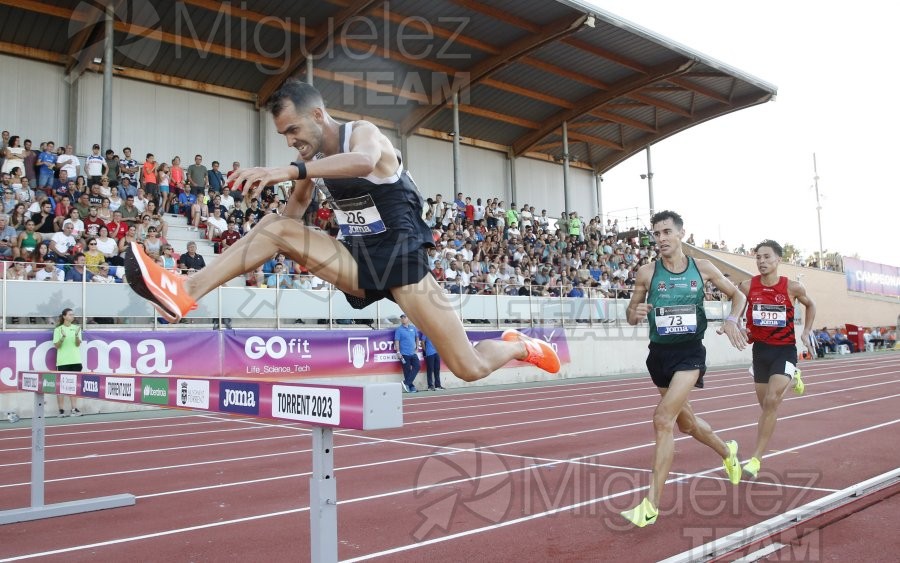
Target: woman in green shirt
{"x":67,"y":341}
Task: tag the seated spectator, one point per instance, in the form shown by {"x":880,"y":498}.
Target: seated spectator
{"x":93,"y":257}
{"x":61,"y":244}
{"x":230,"y":237}
{"x":877,"y":338}
{"x":77,"y":272}
{"x":156,"y":219}
{"x":279,"y":278}
{"x":825,"y":341}
{"x":841,"y":338}
{"x":216,"y":225}
{"x":153,"y":244}
{"x":49,"y":272}
{"x":191,"y":260}
{"x":108,"y":246}
{"x":117,"y":228}
{"x":19,"y":270}
{"x":103,"y":274}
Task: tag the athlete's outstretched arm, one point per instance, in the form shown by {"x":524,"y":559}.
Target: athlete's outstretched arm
{"x":738,"y":301}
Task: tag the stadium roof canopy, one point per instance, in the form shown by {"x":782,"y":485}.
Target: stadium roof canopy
{"x":520,"y":67}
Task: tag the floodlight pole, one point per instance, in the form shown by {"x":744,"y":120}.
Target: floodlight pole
{"x":650,"y":182}
{"x":818,"y":212}
{"x":565,"y":163}
{"x":106,"y":115}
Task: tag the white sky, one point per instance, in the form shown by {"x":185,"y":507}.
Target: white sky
{"x":747,"y":176}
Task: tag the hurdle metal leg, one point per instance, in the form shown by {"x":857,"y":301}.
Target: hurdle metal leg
{"x":323,"y":498}
{"x":38,"y":510}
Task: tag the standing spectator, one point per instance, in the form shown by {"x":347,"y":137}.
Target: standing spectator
{"x":198,"y":176}
{"x":46,"y":167}
{"x":112,"y":167}
{"x":215,"y":179}
{"x":29,"y":160}
{"x":67,"y":338}
{"x":149,"y":179}
{"x":128,"y":168}
{"x":69,"y":162}
{"x":235,"y":166}
{"x":406,"y":342}
{"x":432,"y":364}
{"x":94,"y":165}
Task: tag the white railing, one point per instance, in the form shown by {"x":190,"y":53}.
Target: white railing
{"x":31,"y":302}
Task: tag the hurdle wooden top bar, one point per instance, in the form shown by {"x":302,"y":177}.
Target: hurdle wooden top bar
{"x":355,"y":406}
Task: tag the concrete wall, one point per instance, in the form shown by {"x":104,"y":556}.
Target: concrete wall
{"x":835,"y":306}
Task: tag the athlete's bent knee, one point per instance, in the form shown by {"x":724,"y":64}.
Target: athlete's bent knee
{"x":771,"y":402}
{"x":663,"y":421}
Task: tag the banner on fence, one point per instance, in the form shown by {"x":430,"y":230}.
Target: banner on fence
{"x":871,"y":277}
{"x":263,"y":354}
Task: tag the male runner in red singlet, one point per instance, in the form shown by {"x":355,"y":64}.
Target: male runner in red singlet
{"x":770,"y":324}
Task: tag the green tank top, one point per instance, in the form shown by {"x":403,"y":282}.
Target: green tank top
{"x":29,"y":243}
{"x":677,"y":299}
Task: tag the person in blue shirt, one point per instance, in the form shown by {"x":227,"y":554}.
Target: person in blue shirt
{"x":46,"y":166}
{"x":406,"y":342}
{"x":432,"y":363}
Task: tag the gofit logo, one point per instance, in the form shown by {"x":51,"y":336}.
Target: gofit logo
{"x":48,"y":383}
{"x":193,"y":393}
{"x":140,"y":42}
{"x":276,"y":347}
{"x":242,"y":398}
{"x":90,"y":386}
{"x":155,"y":390}
{"x":29,"y":382}
{"x":68,"y":384}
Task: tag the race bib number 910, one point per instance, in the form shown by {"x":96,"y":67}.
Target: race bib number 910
{"x":358,"y":216}
{"x":676,"y":320}
{"x":769,"y":315}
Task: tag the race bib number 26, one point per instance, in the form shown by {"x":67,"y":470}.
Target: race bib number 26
{"x":676,"y":320}
{"x":358,"y":216}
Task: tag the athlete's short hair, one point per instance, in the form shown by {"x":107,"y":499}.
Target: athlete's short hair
{"x":664,"y":215}
{"x":303,"y":96}
{"x":770,"y":244}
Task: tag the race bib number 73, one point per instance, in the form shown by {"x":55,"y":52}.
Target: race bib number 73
{"x":676,"y":320}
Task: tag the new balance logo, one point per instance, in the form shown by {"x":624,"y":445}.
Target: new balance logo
{"x":169,"y":285}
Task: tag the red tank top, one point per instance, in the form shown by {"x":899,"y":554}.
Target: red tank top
{"x":770,"y":313}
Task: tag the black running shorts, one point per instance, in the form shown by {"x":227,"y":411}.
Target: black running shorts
{"x":665,"y":360}
{"x":379,"y":272}
{"x":769,"y":360}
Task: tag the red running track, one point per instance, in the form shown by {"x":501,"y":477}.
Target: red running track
{"x":533,"y":474}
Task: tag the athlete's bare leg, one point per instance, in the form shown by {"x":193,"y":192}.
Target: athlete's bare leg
{"x":427,"y":307}
{"x":322,"y":255}
{"x":667,"y":411}
{"x":700,"y":430}
{"x":769,"y":396}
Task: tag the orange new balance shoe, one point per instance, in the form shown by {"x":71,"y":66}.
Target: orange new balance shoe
{"x":539,"y":352}
{"x":154,"y":283}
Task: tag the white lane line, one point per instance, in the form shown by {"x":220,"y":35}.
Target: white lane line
{"x":579,"y":504}
{"x":371,"y":440}
{"x":381,"y":495}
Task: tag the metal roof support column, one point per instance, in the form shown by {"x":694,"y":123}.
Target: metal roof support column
{"x":309,"y":70}
{"x":72,"y":111}
{"x":262,"y":138}
{"x":106,"y":120}
{"x":512,"y":176}
{"x":456,"y":167}
{"x":565,"y":141}
{"x":598,"y":183}
{"x":650,"y":182}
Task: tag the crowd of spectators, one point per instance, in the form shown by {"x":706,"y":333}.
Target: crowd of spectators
{"x":71,"y":218}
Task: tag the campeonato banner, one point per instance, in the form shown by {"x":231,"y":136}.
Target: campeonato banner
{"x":871,"y":277}
{"x":241,"y":353}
